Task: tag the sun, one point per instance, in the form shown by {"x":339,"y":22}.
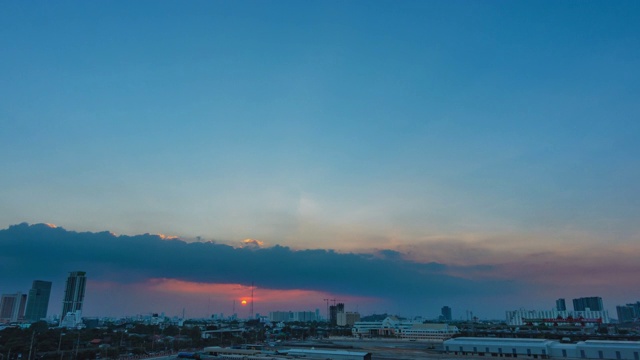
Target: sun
{"x":243,"y":302}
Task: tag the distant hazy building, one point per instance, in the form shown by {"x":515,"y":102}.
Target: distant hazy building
{"x":304,"y":316}
{"x":12,"y":307}
{"x":289,"y":316}
{"x":636,"y":308}
{"x":629,"y":312}
{"x":445,"y":313}
{"x":593,"y":303}
{"x":38,"y":300}
{"x":550,"y":317}
{"x":347,"y":318}
{"x":73,"y":298}
{"x":561,"y":305}
{"x":626,"y":313}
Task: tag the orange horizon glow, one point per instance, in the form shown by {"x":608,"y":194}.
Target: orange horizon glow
{"x":241,"y":292}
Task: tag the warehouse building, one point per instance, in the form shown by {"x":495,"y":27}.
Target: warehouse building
{"x":543,"y":349}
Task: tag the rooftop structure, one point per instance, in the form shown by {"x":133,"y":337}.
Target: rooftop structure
{"x":541,"y":348}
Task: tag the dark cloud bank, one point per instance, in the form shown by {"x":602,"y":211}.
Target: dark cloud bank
{"x":30,"y":252}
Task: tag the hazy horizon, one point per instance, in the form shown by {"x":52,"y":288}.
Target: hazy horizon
{"x":480,"y":155}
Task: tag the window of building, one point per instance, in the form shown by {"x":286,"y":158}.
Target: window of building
{"x":447,"y":348}
{"x":528,"y":352}
{"x":499,"y":350}
{"x":487,"y":350}
{"x":618,"y":356}
{"x":475,"y":349}
{"x":600,"y":354}
{"x":582,"y":354}
{"x":636,"y":356}
{"x":564,"y":353}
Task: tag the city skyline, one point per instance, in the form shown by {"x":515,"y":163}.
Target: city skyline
{"x":399,"y":156}
{"x":139,"y":285}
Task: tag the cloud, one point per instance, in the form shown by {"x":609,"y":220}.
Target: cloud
{"x":137,"y":259}
{"x":416,"y":278}
{"x":252,"y":243}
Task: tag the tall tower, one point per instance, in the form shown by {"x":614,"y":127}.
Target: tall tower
{"x":561,"y":305}
{"x":38,"y":301}
{"x":74,"y":295}
{"x":446,"y":313}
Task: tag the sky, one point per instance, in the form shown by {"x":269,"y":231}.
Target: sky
{"x":481,"y":155}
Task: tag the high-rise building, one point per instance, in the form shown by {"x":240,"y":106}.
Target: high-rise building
{"x":446,"y":313}
{"x":38,"y":301}
{"x":334,"y":310}
{"x":74,"y":295}
{"x":636,"y":308}
{"x":593,"y":303}
{"x":12,"y":307}
{"x":626,"y":313}
{"x":561,"y":305}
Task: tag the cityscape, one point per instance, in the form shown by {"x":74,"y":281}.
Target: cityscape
{"x":32,"y":306}
{"x":320,"y":180}
{"x":21,"y":312}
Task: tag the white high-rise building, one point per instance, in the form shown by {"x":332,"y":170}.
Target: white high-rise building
{"x":73,"y":298}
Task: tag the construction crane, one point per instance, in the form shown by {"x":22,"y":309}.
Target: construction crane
{"x":327,"y":300}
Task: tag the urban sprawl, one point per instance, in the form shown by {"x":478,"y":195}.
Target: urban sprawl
{"x":586,"y":332}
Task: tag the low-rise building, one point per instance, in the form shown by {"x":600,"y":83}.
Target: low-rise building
{"x":550,"y":317}
{"x":542,"y":348}
{"x":404,"y":329}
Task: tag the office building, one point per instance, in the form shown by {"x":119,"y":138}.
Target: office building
{"x":626,"y":313}
{"x":333,"y":313}
{"x":347,"y":318}
{"x":629,"y":312}
{"x":445,"y":313}
{"x":561,"y":305}
{"x":636,"y":308}
{"x":73,"y":297}
{"x":293,"y":316}
{"x":12,"y":307}
{"x":593,"y":303}
{"x":38,"y":300}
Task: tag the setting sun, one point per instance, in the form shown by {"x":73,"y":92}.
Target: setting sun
{"x":244,"y":302}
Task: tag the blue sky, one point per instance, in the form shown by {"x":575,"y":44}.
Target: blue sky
{"x":461,"y":132}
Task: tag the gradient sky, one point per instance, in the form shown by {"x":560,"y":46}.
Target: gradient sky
{"x":498,"y":139}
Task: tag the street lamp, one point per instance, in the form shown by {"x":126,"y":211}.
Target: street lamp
{"x":60,"y":345}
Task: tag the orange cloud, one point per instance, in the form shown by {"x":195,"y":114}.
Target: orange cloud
{"x":167,"y":237}
{"x":252,"y":243}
